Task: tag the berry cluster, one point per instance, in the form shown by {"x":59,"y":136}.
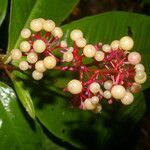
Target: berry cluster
{"x":114,"y":73}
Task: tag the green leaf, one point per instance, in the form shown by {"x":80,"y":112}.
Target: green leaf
{"x":110,"y":26}
{"x":3,"y":8}
{"x":16,"y":130}
{"x":21,"y":16}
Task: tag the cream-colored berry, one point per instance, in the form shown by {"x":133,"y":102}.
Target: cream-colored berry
{"x":70,"y":49}
{"x":107,"y":94}
{"x":118,"y":91}
{"x":50,"y":62}
{"x":108,"y":84}
{"x":16,"y":54}
{"x":115,"y":44}
{"x":39,"y":46}
{"x":32,"y":57}
{"x":39,"y":66}
{"x":94,"y":87}
{"x":140,"y":74}
{"x":25,"y":46}
{"x":89,"y":51}
{"x":99,"y":55}
{"x":23,"y":65}
{"x":81,"y":42}
{"x":126,"y":43}
{"x":136,"y":88}
{"x":94,"y":100}
{"x":48,"y":25}
{"x":98,"y":108}
{"x":88,"y":104}
{"x":42,"y":20}
{"x":140,"y":81}
{"x":25,"y":33}
{"x":127,"y":99}
{"x":106,"y":48}
{"x":134,"y":58}
{"x":37,"y":75}
{"x":139,"y":67}
{"x":76,"y":34}
{"x":67,"y":56}
{"x":74,"y":86}
{"x":36,"y":25}
{"x":57,"y":32}
{"x":63,"y":43}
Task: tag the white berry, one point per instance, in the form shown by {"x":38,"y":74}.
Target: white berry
{"x":36,"y":25}
{"x":134,"y":58}
{"x":127,"y":99}
{"x":115,"y":44}
{"x":50,"y":62}
{"x":94,"y":87}
{"x":94,"y":100}
{"x":139,"y":67}
{"x":76,"y":34}
{"x":88,"y":104}
{"x":32,"y":57}
{"x":23,"y":65}
{"x":99,"y":56}
{"x":118,"y":91}
{"x":140,"y":75}
{"x":39,"y":66}
{"x":48,"y":25}
{"x":140,"y":81}
{"x":37,"y":75}
{"x":89,"y":51}
{"x":16,"y":54}
{"x":108,"y":84}
{"x":81,"y":42}
{"x":25,"y":33}
{"x":126,"y":43}
{"x":39,"y":46}
{"x":107,"y":94}
{"x":25,"y":46}
{"x":57,"y":32}
{"x":106,"y":48}
{"x":67,"y":56}
{"x":74,"y":86}
{"x":63,"y":43}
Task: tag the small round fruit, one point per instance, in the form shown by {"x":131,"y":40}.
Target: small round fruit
{"x":118,"y":91}
{"x":50,"y":62}
{"x":99,"y":56}
{"x":108,"y":84}
{"x":74,"y":86}
{"x":67,"y":56}
{"x":136,"y":88}
{"x":106,"y":48}
{"x":63,"y":44}
{"x":37,"y":75}
{"x":126,"y":43}
{"x":36,"y":25}
{"x":25,"y":33}
{"x":32,"y":57}
{"x":127,"y":99}
{"x":139,"y":67}
{"x":98,"y":108}
{"x":89,"y":51}
{"x":107,"y":94}
{"x":25,"y":46}
{"x":39,"y":46}
{"x":88,"y":104}
{"x":48,"y":25}
{"x":57,"y":32}
{"x":16,"y":54}
{"x":81,"y":42}
{"x":76,"y":34}
{"x":39,"y":66}
{"x":94,"y":100}
{"x":94,"y":87}
{"x":23,"y":65}
{"x":70,"y":49}
{"x":140,"y":74}
{"x":140,"y":81}
{"x":115,"y":44}
{"x":134,"y":58}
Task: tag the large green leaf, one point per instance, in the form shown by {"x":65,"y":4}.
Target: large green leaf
{"x":17,"y":131}
{"x":22,"y":12}
{"x":3,"y":8}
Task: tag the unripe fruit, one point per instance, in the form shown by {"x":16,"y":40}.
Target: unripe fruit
{"x":39,"y":46}
{"x":134,"y":58}
{"x":94,"y":87}
{"x":99,"y":56}
{"x":36,"y":25}
{"x":106,"y":48}
{"x":16,"y":54}
{"x":139,"y":67}
{"x":32,"y":57}
{"x":50,"y":62}
{"x":126,"y":43}
{"x":48,"y":25}
{"x":67,"y":56}
{"x":127,"y":99}
{"x":107,"y":94}
{"x":57,"y":32}
{"x":140,"y":75}
{"x":118,"y":91}
{"x":88,"y":105}
{"x":81,"y":42}
{"x":115,"y":44}
{"x":74,"y":86}
{"x":140,"y":81}
{"x":63,"y":43}
{"x":98,"y":108}
{"x":25,"y":46}
{"x":25,"y":33}
{"x":108,"y":84}
{"x":89,"y":51}
{"x":23,"y":65}
{"x":94,"y":100}
{"x":37,"y":75}
{"x":39,"y":66}
{"x":76,"y":34}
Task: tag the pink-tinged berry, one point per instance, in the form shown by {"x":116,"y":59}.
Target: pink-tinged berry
{"x":134,"y":58}
{"x":16,"y":54}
